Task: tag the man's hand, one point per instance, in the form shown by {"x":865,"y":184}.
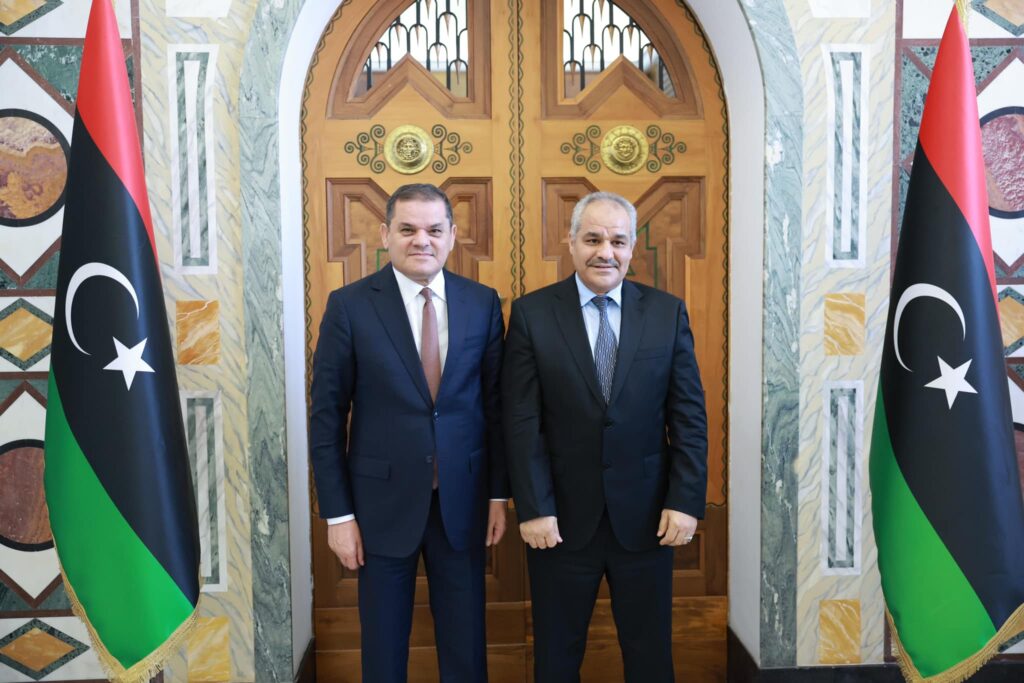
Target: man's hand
{"x":541,"y":532}
{"x":496,"y":522}
{"x":347,"y":544}
{"x":676,"y":528}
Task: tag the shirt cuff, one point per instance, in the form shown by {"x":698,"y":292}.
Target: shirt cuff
{"x":499,"y":500}
{"x":331,"y":521}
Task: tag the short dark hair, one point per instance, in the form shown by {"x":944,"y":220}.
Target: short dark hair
{"x":421,"y":191}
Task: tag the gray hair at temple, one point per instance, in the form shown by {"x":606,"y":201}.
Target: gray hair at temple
{"x":581,"y":206}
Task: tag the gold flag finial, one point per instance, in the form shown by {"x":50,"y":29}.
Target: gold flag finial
{"x":963,"y":10}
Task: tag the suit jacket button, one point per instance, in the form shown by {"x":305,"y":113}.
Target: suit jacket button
{"x":430,"y":459}
{"x":435,"y":415}
{"x":609,"y":423}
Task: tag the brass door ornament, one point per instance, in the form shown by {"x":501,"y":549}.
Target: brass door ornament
{"x":408,"y":149}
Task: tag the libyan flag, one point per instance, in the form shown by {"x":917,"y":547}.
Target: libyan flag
{"x":946,"y":497}
{"x":118,"y":483}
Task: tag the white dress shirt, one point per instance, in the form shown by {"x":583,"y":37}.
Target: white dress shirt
{"x":592,"y":316}
{"x":413,"y":299}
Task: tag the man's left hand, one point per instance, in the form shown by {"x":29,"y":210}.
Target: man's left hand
{"x":676,"y":528}
{"x":495,"y":522}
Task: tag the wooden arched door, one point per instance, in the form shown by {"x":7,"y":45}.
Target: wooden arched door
{"x":517,"y":108}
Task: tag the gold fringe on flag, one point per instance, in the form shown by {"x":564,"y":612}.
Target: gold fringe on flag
{"x":968,"y":667}
{"x":143,"y":670}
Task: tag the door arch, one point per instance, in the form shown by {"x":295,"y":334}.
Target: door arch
{"x":663,"y":198}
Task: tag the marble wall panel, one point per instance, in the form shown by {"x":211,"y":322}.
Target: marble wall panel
{"x":843,"y":307}
{"x":56,"y":18}
{"x":192,"y":58}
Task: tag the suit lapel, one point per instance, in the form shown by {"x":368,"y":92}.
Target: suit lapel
{"x":570,"y":319}
{"x":630,"y":333}
{"x":457,"y":315}
{"x":391,"y":311}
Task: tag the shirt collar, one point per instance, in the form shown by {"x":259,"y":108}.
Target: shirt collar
{"x":586,"y":295}
{"x":410,"y":289}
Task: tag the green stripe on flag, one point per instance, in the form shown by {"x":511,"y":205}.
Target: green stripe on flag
{"x":939,"y":619}
{"x":130,"y":600}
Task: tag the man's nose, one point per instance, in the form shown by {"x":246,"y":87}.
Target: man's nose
{"x":419,"y":238}
{"x":604,"y":250}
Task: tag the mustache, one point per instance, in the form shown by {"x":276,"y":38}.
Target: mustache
{"x":614,"y":262}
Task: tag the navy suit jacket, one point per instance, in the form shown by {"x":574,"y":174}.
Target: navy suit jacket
{"x":570,"y":454}
{"x":380,"y":467}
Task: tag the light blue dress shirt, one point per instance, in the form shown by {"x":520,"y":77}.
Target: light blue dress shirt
{"x":592,"y":317}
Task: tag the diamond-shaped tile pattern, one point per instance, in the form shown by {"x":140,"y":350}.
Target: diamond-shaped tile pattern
{"x":37,"y":649}
{"x":25,"y":333}
{"x":1011,"y":319}
{"x":1009,"y":14}
{"x":17,"y":14}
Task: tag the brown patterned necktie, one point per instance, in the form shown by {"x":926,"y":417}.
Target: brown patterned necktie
{"x":430,"y":353}
{"x":430,"y":346}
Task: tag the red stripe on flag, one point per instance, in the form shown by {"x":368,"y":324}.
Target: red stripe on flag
{"x":105,"y":106}
{"x":951,"y":135}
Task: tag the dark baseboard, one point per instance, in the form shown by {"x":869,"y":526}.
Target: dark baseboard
{"x":307,"y":667}
{"x":742,"y":669}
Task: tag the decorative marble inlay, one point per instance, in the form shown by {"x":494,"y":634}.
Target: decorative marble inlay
{"x":203,"y":428}
{"x":198,"y":328}
{"x":1002,"y":139}
{"x":839,"y":637}
{"x":37,"y":649}
{"x":1011,"y":319}
{"x":193,"y":190}
{"x":1008,"y":14}
{"x":844,"y":324}
{"x":17,"y":14}
{"x":25,"y":333}
{"x":841,"y":478}
{"x":24,"y":518}
{"x":33,"y":168}
{"x":846,"y":178}
{"x":209,"y":659}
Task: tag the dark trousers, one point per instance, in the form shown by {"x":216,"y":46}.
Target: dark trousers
{"x":564,"y":586}
{"x":456,"y":583}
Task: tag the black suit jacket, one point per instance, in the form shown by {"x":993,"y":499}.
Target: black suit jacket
{"x":381,"y":467}
{"x":570,"y":454}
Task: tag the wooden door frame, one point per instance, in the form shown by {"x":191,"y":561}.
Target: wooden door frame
{"x":741,"y":74}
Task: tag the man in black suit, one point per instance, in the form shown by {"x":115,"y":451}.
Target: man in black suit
{"x":606,"y":438}
{"x":413,"y":352}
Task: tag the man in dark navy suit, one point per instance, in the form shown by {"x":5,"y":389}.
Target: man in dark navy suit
{"x":413,"y":353}
{"x":606,"y":437}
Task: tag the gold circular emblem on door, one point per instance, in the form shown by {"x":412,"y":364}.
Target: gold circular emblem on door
{"x":408,"y":149}
{"x":624,"y":149}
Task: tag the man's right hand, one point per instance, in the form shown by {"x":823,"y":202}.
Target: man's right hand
{"x":347,"y":544}
{"x":541,"y":532}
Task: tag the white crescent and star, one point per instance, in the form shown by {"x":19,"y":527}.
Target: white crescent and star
{"x":129,"y":361}
{"x":951,"y":380}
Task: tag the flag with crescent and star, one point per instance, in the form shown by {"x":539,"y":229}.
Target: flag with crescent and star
{"x":946,"y":496}
{"x":118,"y":479}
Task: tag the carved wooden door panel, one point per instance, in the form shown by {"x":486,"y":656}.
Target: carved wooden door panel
{"x":517,"y":108}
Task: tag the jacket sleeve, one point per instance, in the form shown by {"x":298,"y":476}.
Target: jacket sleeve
{"x":529,"y":466}
{"x":330,"y":402}
{"x":687,"y":426}
{"x":491,"y":392}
